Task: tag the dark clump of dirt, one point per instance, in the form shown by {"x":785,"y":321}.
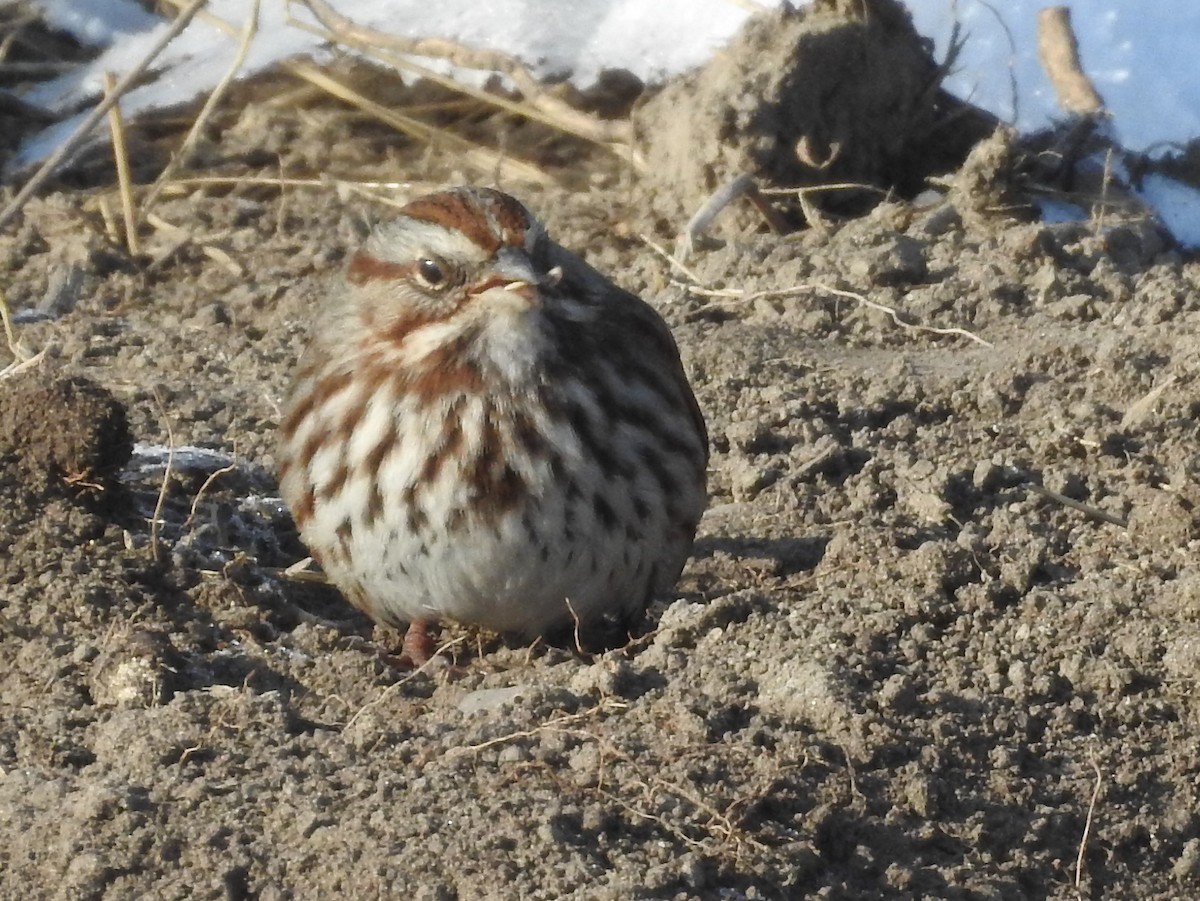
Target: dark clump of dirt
{"x":835,"y":92}
{"x":61,"y":435}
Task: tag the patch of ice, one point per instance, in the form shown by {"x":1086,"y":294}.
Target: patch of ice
{"x":1177,"y":204}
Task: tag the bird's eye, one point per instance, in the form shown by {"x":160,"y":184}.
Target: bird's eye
{"x":432,"y":273}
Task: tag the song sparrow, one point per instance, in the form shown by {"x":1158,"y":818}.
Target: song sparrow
{"x":486,"y":429}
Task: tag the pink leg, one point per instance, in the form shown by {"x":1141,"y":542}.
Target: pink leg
{"x":418,"y":646}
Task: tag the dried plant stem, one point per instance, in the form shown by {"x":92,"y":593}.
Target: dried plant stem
{"x":10,"y":335}
{"x":166,"y":479}
{"x":558,"y":723}
{"x":891,"y":312}
{"x":212,"y":477}
{"x":541,"y":105}
{"x":1087,"y":825}
{"x":124,"y":182}
{"x":182,"y":236}
{"x":1086,"y":509}
{"x":16,"y":368}
{"x":14,"y":29}
{"x":894,"y":315}
{"x":64,"y":150}
{"x":180,"y":159}
{"x":480,"y":156}
{"x":395,"y":686}
{"x":575,"y":620}
{"x":672,"y":259}
{"x":21,"y":357}
{"x":821,"y":189}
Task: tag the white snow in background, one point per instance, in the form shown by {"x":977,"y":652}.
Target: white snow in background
{"x":98,"y":23}
{"x":190,"y":65}
{"x":154,"y":458}
{"x":1177,"y":205}
{"x":1141,"y":56}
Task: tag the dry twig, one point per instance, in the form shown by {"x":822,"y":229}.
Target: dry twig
{"x":1014,"y":94}
{"x":166,"y":479}
{"x":742,"y":186}
{"x":558,"y":724}
{"x":22,"y":359}
{"x":891,"y":312}
{"x":575,"y":620}
{"x":1086,"y":509}
{"x":212,"y":477}
{"x":299,"y":572}
{"x":672,"y":259}
{"x":720,"y":825}
{"x":1087,"y":825}
{"x":383,"y":695}
{"x":16,"y":368}
{"x":475,"y":154}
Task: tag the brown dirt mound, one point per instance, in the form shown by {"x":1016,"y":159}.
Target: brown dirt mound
{"x":61,"y":434}
{"x":836,"y":92}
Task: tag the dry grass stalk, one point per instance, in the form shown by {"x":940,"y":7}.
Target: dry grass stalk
{"x":182,"y":236}
{"x":16,"y":368}
{"x":477,"y":155}
{"x":1087,"y":826}
{"x":389,"y":193}
{"x":891,"y":312}
{"x":124,"y":181}
{"x":21,"y":358}
{"x":212,"y":477}
{"x":300,"y":572}
{"x":820,"y":189}
{"x":155,"y":550}
{"x":673,"y":259}
{"x":180,"y":159}
{"x":541,"y":105}
{"x":555,"y":724}
{"x":104,"y":208}
{"x":724,"y":829}
{"x":14,"y":346}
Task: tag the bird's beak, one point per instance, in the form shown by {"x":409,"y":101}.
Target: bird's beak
{"x":514,"y":271}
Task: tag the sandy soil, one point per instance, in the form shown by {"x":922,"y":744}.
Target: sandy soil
{"x":940,"y":636}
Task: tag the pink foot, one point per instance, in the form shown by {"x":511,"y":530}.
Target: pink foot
{"x":418,"y":646}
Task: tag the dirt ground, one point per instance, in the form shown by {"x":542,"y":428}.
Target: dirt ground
{"x":940,"y":635}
